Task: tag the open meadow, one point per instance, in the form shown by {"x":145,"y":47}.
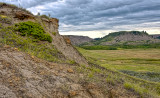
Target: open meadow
{"x":140,"y":63}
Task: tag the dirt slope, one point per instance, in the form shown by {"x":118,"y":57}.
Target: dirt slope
{"x":25,"y":76}
{"x":22,"y":75}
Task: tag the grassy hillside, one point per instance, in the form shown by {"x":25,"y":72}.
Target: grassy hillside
{"x":124,"y":38}
{"x":111,"y":36}
{"x":134,"y":65}
{"x":32,"y":43}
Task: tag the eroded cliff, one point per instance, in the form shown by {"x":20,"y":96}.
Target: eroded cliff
{"x":11,"y":15}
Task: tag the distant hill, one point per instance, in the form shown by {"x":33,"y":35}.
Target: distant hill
{"x":125,"y":37}
{"x":156,"y":36}
{"x":77,"y":40}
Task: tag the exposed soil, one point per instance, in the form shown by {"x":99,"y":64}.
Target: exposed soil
{"x":22,"y":75}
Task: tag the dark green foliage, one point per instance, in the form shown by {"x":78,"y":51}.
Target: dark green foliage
{"x":1,"y":25}
{"x":115,"y":47}
{"x":152,"y":76}
{"x":99,"y":47}
{"x":158,"y":37}
{"x":54,"y":33}
{"x":33,"y":29}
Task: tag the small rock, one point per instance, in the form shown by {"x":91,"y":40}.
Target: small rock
{"x":56,"y":73}
{"x":32,"y":57}
{"x":72,"y":93}
{"x":61,"y":68}
{"x":16,"y":49}
{"x":70,"y":70}
{"x":6,"y":46}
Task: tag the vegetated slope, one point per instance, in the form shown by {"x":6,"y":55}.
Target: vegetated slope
{"x":22,"y":75}
{"x":77,"y":40}
{"x":11,"y":15}
{"x":126,"y":38}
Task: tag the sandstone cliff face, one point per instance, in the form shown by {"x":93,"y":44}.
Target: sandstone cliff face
{"x":77,"y":40}
{"x":16,"y":15}
{"x":63,"y":44}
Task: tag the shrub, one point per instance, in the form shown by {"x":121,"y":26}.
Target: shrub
{"x":44,"y":16}
{"x":54,"y":33}
{"x":33,"y":29}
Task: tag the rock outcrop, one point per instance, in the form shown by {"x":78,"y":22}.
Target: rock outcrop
{"x":16,"y":15}
{"x":78,"y":40}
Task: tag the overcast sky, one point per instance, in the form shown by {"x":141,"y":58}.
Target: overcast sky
{"x":96,"y":18}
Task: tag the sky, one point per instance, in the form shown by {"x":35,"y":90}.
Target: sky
{"x":97,"y":18}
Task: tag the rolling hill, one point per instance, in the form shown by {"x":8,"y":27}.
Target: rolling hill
{"x":125,"y":38}
{"x":156,"y":36}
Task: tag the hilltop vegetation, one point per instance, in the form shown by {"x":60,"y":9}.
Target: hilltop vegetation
{"x":30,"y":45}
{"x":111,"y":36}
{"x":130,"y":38}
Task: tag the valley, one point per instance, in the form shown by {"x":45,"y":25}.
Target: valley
{"x":37,"y":62}
{"x":134,"y":62}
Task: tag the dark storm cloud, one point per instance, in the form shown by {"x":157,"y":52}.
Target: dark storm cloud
{"x":28,"y":3}
{"x":90,"y":15}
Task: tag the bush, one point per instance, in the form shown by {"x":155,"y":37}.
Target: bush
{"x":44,"y":16}
{"x":33,"y":29}
{"x":54,"y":33}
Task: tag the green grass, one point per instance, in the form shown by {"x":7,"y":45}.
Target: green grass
{"x":40,"y":49}
{"x":121,"y":46}
{"x":134,"y":87}
{"x":139,"y":60}
{"x":5,"y":19}
{"x":143,"y":88}
{"x":136,"y":69}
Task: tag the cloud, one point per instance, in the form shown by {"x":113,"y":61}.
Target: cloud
{"x":98,"y":15}
{"x":28,"y":3}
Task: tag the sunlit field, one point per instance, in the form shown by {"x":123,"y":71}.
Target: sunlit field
{"x":140,"y":63}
